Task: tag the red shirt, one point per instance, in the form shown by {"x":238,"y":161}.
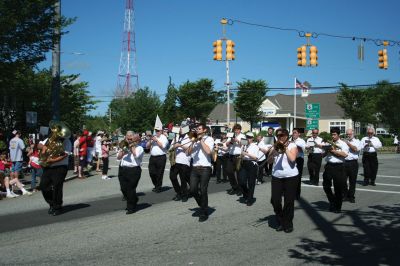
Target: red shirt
{"x":82,"y":146}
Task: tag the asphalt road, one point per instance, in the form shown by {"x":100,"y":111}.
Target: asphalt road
{"x":94,"y":229}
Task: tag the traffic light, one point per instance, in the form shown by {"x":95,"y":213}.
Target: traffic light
{"x":230,"y":50}
{"x":383,"y":63}
{"x":217,"y":50}
{"x":302,"y":56}
{"x":313,"y":56}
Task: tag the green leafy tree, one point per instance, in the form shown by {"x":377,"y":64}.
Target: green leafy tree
{"x":358,"y":104}
{"x":96,"y":123}
{"x":251,"y":94}
{"x":170,"y":107}
{"x":388,"y":105}
{"x":137,"y":113}
{"x":197,"y":99}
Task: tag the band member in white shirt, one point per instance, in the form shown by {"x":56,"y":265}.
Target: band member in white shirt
{"x":370,"y":145}
{"x":248,"y":169}
{"x":180,"y":143}
{"x":284,"y":180}
{"x":336,"y":152}
{"x":262,"y":157}
{"x":200,"y":152}
{"x":130,"y":170}
{"x":234,"y":153}
{"x":222,"y":156}
{"x":351,"y":165}
{"x":158,"y":158}
{"x":313,"y":145}
{"x":301,"y":146}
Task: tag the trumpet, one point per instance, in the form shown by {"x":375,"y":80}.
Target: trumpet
{"x":331,"y":146}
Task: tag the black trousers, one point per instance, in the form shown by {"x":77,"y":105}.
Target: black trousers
{"x":288,"y":188}
{"x":51,"y":185}
{"x":199,"y":178}
{"x":335,"y":173}
{"x":260,"y":174}
{"x":370,"y":164}
{"x":247,"y":178}
{"x":183,"y":171}
{"x":156,"y":169}
{"x":220,"y":167}
{"x":128,"y":179}
{"x":314,"y":166}
{"x":231,"y":171}
{"x":105,"y":165}
{"x":351,"y":172}
{"x":299,"y":165}
{"x":268,"y":168}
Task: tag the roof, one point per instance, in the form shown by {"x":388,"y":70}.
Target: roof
{"x":328,"y":107}
{"x":219,"y":113}
{"x":327,"y":101}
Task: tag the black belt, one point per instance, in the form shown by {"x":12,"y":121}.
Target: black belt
{"x":157,"y":155}
{"x":350,"y":161}
{"x":202,"y":167}
{"x":370,"y":153}
{"x":315,"y":153}
{"x":233,"y":156}
{"x":335,"y":164}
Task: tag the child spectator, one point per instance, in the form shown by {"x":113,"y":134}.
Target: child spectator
{"x":36,"y":169}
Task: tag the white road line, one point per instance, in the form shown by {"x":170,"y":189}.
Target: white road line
{"x":391,"y":176}
{"x":384,"y":184}
{"x":359,"y":189}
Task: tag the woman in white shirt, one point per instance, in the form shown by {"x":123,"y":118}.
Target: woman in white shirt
{"x":284,"y":180}
{"x":130,"y":170}
{"x":249,"y":168}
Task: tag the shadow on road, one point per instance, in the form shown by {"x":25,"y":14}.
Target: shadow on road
{"x":371,"y":239}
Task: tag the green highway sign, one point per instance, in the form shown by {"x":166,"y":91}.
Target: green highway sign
{"x":312,"y":123}
{"x":312,"y":110}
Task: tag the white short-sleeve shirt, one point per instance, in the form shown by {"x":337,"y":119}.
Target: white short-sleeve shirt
{"x":200,"y":158}
{"x":156,"y":150}
{"x":282,"y":167}
{"x":128,"y":160}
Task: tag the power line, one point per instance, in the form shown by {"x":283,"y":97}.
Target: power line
{"x":301,"y":33}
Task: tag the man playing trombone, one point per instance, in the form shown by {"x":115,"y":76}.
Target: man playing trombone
{"x":158,"y":158}
{"x":200,"y":151}
{"x":180,"y":166}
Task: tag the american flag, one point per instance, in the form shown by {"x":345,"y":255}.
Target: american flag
{"x":305,"y":90}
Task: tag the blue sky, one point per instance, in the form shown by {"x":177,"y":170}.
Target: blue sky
{"x":174,"y":38}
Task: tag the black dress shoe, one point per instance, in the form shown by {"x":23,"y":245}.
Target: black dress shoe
{"x":203,"y":218}
{"x":288,"y":230}
{"x":50,"y":211}
{"x":250,"y":202}
{"x":130,"y":212}
{"x":239,"y":193}
{"x":365,"y":183}
{"x":57,"y":212}
{"x":232,"y":192}
{"x":336,"y":211}
{"x":279,"y":228}
{"x":154,"y":190}
{"x":158,"y":190}
{"x":332,"y":208}
{"x":373,"y":184}
{"x":184,"y":198}
{"x":352,"y":200}
{"x":177,"y":198}
{"x":224,"y":180}
{"x":218,"y":181}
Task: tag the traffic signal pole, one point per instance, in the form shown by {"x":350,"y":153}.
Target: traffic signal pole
{"x":228,"y":114}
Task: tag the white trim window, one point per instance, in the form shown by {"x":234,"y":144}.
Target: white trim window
{"x":339,"y":124}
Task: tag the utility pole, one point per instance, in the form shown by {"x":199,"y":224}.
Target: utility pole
{"x":230,"y":55}
{"x":55,"y":67}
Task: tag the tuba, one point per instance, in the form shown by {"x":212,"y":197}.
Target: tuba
{"x":55,"y":144}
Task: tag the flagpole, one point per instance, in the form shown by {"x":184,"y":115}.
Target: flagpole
{"x":295,"y":107}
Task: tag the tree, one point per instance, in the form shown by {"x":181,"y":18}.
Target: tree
{"x":137,"y":113}
{"x":388,"y":105}
{"x":357,"y":104}
{"x":251,"y":94}
{"x":170,"y":107}
{"x":96,"y":123}
{"x":197,"y":99}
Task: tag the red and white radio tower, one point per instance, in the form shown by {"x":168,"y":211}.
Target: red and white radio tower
{"x":128,"y":79}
